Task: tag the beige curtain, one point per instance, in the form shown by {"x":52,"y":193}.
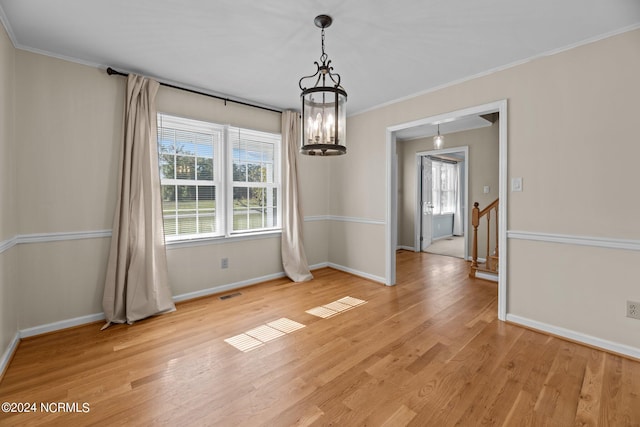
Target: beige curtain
{"x":136,"y":285}
{"x":294,"y":259}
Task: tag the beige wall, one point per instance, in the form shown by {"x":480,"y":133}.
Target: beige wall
{"x":572,"y":137}
{"x":483,"y":170}
{"x":60,"y":149}
{"x":8,"y":212}
{"x":69,"y":126}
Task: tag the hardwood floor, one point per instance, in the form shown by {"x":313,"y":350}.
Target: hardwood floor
{"x":428,"y":352}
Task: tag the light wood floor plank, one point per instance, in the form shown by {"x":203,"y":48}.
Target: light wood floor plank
{"x":427,"y":352}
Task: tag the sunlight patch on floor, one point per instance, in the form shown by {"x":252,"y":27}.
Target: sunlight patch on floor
{"x":256,"y":337}
{"x":243,"y":342}
{"x":335,"y":307}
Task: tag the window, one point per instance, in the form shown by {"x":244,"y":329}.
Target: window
{"x":444,"y":185}
{"x":217,"y":180}
{"x":255,"y":180}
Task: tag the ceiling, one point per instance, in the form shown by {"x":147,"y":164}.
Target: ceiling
{"x":258,"y":50}
{"x":459,"y":124}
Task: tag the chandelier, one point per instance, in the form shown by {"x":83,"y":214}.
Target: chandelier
{"x":438,"y":140}
{"x":323,"y":107}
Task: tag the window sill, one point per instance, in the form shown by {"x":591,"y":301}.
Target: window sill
{"x":207,"y":241}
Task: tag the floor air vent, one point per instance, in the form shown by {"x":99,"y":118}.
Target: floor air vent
{"x":235,"y":294}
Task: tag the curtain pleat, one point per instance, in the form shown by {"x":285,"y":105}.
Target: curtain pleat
{"x":294,"y":260}
{"x":137,"y":281}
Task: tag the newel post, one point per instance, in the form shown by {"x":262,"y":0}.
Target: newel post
{"x":475,"y":221}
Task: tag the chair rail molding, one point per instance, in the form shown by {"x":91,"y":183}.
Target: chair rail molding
{"x":569,"y":239}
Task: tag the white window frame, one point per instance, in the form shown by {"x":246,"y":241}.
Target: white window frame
{"x":223,"y":180}
{"x":231,"y":184}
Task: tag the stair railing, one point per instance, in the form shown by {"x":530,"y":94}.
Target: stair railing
{"x":492,"y":259}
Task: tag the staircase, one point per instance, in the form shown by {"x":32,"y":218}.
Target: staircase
{"x":489,"y":268}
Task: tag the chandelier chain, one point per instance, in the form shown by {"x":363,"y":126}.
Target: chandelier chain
{"x":324,"y":56}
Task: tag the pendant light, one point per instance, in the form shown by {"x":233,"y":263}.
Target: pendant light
{"x":438,"y":140}
{"x":323,"y":106}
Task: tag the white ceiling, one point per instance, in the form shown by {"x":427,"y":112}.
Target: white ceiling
{"x":448,"y":126}
{"x":258,"y":50}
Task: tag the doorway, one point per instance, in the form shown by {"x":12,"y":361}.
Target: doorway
{"x":391,"y":227}
{"x":442,"y":180}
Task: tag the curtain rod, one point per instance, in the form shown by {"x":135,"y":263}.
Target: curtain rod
{"x":112,"y":72}
{"x":440,"y":159}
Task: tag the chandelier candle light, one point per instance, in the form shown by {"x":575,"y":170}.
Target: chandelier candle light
{"x":323,"y":107}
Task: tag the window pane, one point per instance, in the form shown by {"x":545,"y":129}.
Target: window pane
{"x":254,"y":173}
{"x":256,"y":219}
{"x":167,"y":166}
{"x":206,"y":198}
{"x":206,"y":224}
{"x":256,"y":197}
{"x":239,"y":172}
{"x":185,"y":167}
{"x":186,"y":213}
{"x":169,"y":226}
{"x":206,"y":209}
{"x":204,"y":147}
{"x":204,"y":168}
{"x":240,"y":208}
{"x":185,"y":142}
{"x":169,"y":209}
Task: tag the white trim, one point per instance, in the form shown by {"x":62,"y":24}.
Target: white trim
{"x":487,"y":276}
{"x":8,"y":353}
{"x":503,"y":194}
{"x":177,"y":244}
{"x":344,"y":219}
{"x":392,"y":202}
{"x":227,"y":287}
{"x":407,"y":248}
{"x":317,"y":218}
{"x":576,"y":336}
{"x":500,"y":68}
{"x":357,"y":273}
{"x":318,"y":266}
{"x":7,"y":26}
{"x":348,"y":270}
{"x":61,"y":236}
{"x":5,"y":245}
{"x":598,"y":242}
{"x":62,"y":324}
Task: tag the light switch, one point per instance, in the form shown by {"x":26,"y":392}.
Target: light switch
{"x":486,"y":189}
{"x":516,"y":184}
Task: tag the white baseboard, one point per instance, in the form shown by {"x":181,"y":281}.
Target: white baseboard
{"x":487,"y":276}
{"x":62,"y":324}
{"x":83,"y":320}
{"x":357,"y":273}
{"x":8,"y":353}
{"x":576,"y":336}
{"x":406,"y":248}
{"x":348,"y":270}
{"x":318,"y":266}
{"x":227,"y":287}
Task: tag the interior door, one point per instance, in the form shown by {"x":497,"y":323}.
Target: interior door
{"x":426,"y":202}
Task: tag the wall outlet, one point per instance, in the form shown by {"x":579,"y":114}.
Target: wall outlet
{"x":224,"y":263}
{"x":633,"y":309}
